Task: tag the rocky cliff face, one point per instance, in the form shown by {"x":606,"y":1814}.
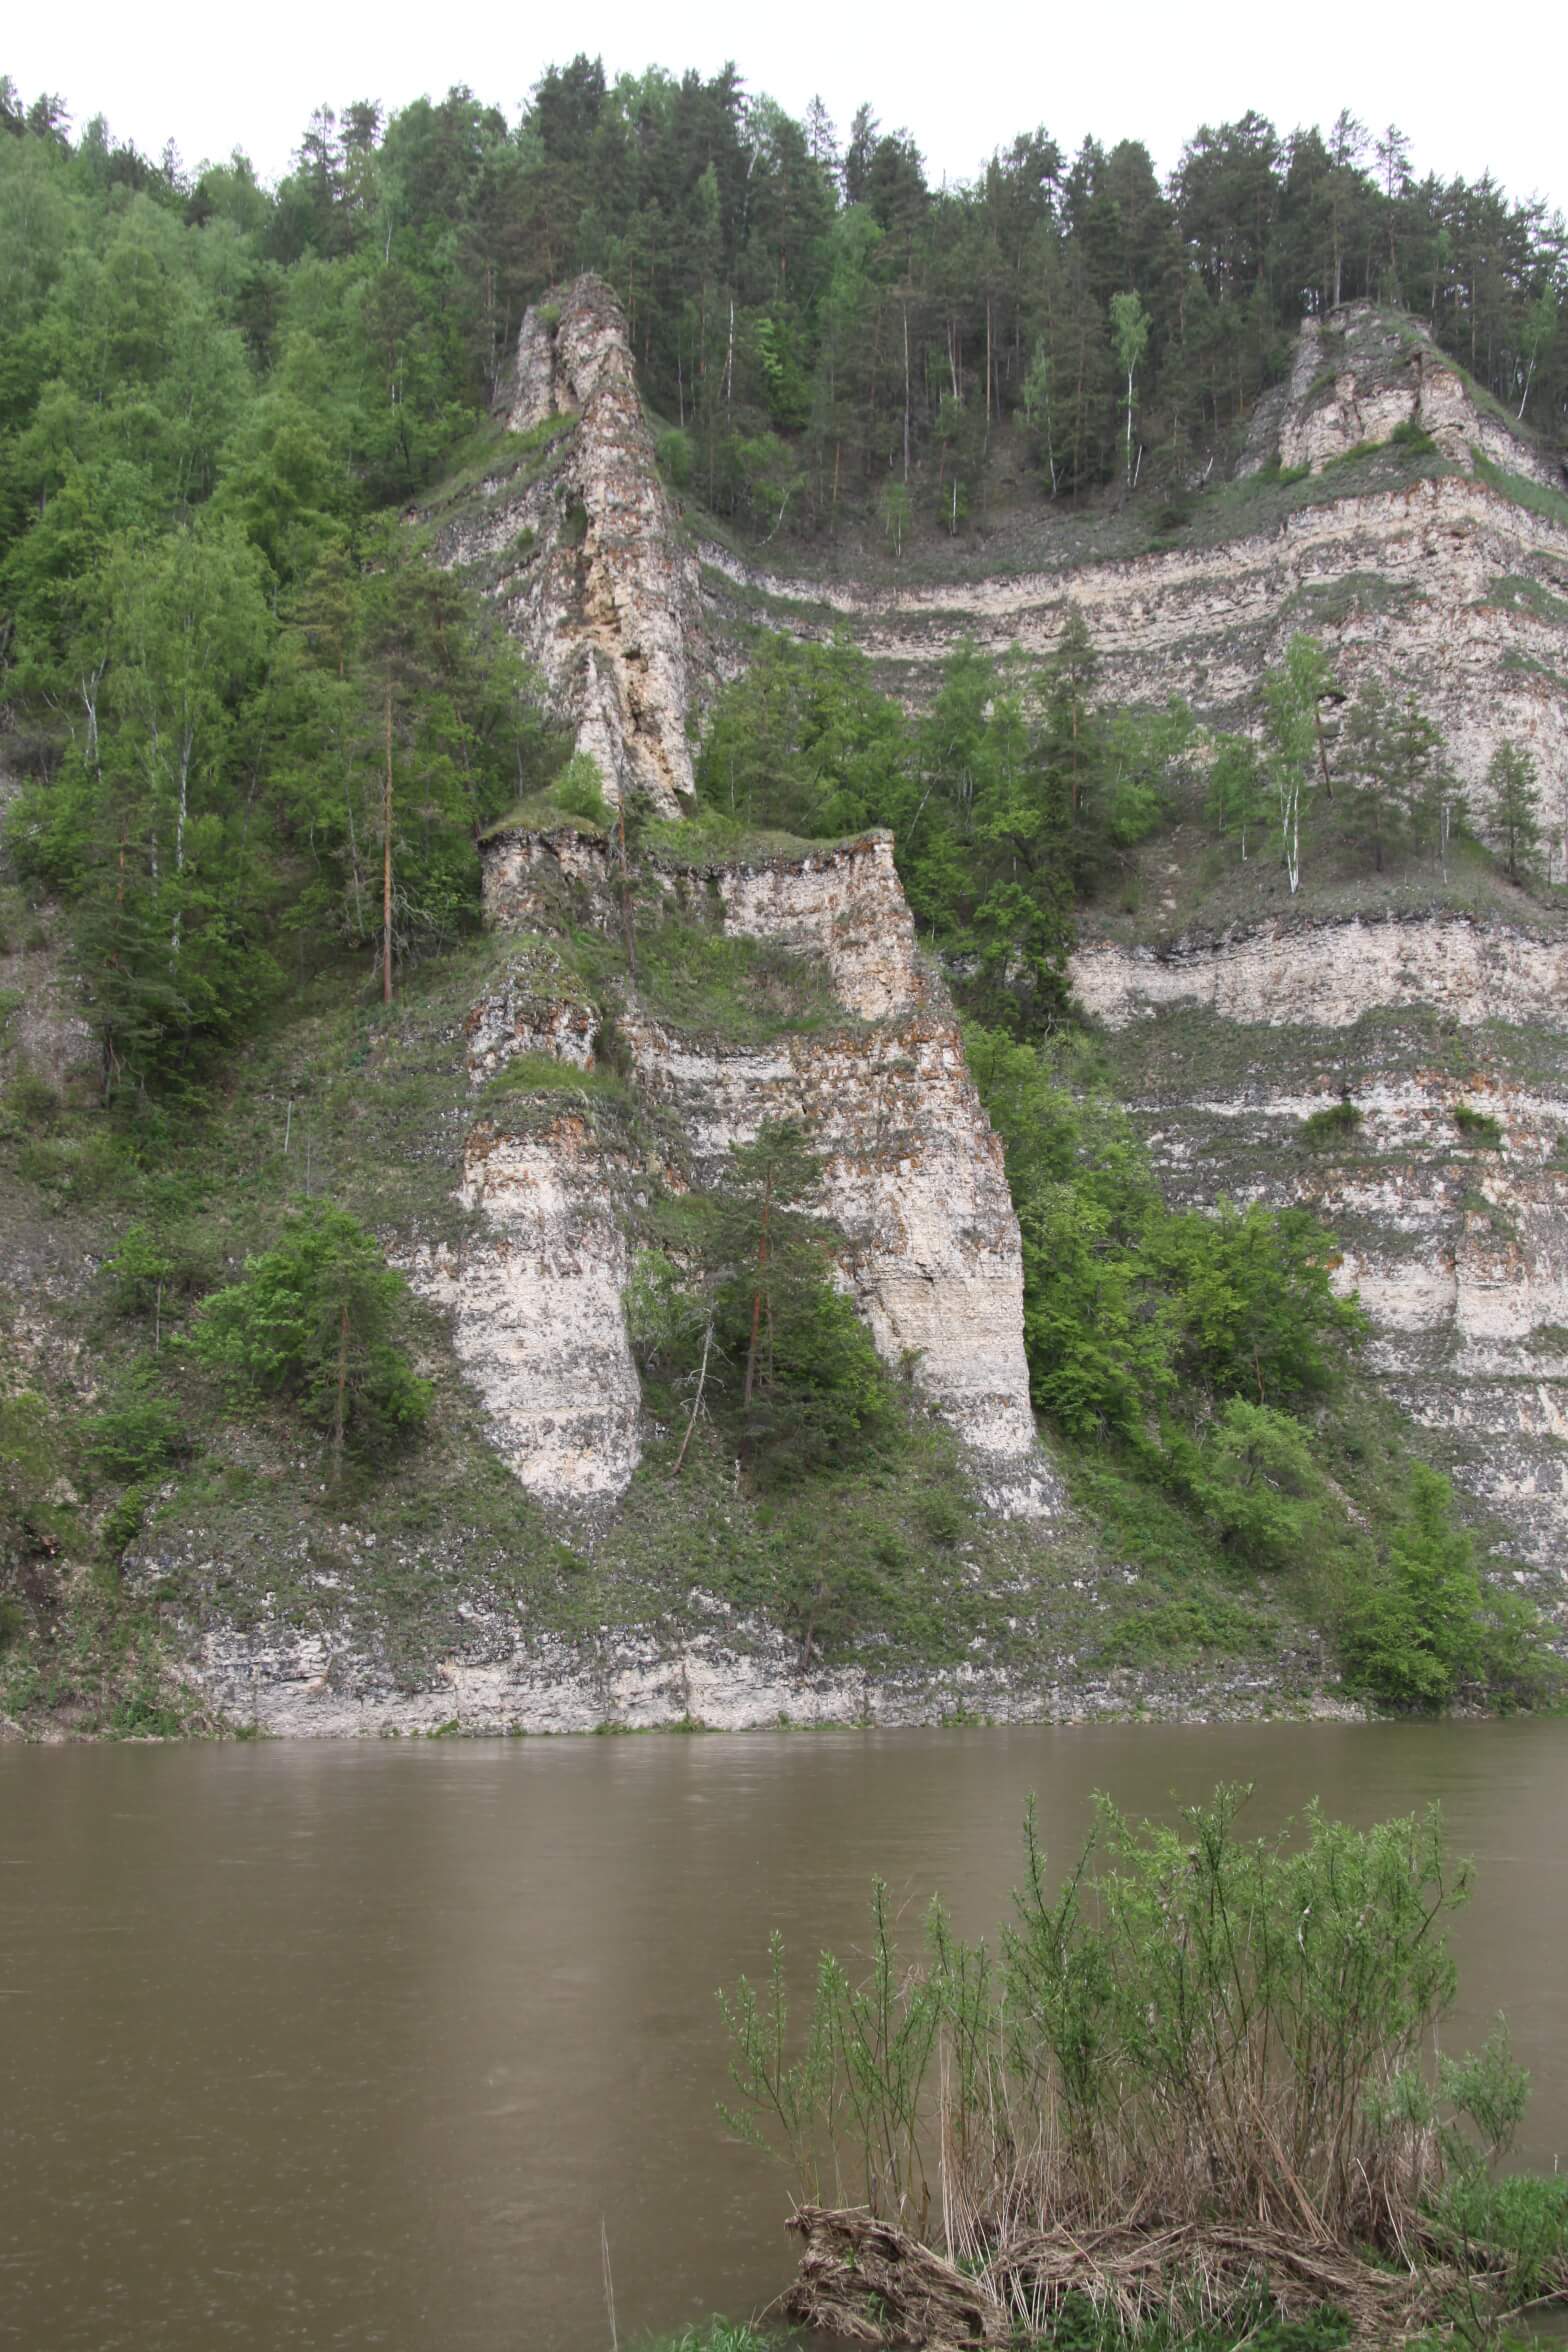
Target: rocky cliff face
{"x":583,"y":550}
{"x":1454,"y":1236}
{"x":912,"y":1174}
{"x":536,"y":1305}
{"x":1363,"y":374}
{"x":1445,"y":578}
{"x":1330,"y":975}
{"x":585,"y":557}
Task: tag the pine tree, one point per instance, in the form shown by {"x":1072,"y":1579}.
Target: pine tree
{"x":1514,"y":821}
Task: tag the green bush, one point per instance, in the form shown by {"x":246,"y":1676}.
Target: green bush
{"x":676,"y":456}
{"x":1280,"y":476}
{"x":1337,"y":1124}
{"x":1262,"y":1490}
{"x":530,"y":1073}
{"x":579,"y":790}
{"x":1132,"y":1308}
{"x":1418,"y":1635}
{"x":1478,"y":1127}
{"x":737,"y":1310}
{"x":1413,"y":438}
{"x":723,"y":984}
{"x":1188,"y":2031}
{"x":156,"y":1266}
{"x":32,"y":1105}
{"x":316,"y":1321}
{"x":139,"y":1433}
{"x":34,"y":1461}
{"x":1178,"y":1629}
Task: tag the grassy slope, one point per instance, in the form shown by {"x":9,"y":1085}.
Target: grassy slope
{"x":368,"y":1107}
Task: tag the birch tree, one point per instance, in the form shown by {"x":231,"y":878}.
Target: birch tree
{"x":1130,"y":329}
{"x":1291,"y":694}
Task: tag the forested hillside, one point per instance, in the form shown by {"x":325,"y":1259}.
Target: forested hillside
{"x":253,"y":738}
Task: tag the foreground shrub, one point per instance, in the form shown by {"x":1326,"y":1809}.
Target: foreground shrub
{"x":1201,"y":2065}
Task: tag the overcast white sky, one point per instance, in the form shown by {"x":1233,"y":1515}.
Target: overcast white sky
{"x":961,"y":79}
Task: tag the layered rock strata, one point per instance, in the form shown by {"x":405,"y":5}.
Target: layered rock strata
{"x":1446,"y":584}
{"x":912,"y":1173}
{"x":1330,"y":974}
{"x":535,"y":1302}
{"x":583,"y":553}
{"x":1455,"y":1237}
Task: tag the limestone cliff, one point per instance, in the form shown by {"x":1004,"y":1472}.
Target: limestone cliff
{"x":1414,"y":567}
{"x":1360,"y":376}
{"x":583,"y":551}
{"x":1455,"y":1235}
{"x":911,"y":1173}
{"x":583,"y":1593}
{"x":596,"y":581}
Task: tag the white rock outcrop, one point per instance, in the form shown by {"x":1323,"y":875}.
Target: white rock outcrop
{"x":1360,"y":374}
{"x":1458,"y":1251}
{"x":1329,"y":974}
{"x":585,"y":554}
{"x":912,"y":1175}
{"x":912,"y":1172}
{"x":536,"y":1311}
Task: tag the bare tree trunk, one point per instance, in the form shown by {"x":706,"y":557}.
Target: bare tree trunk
{"x":340,"y":1402}
{"x":386,"y":861}
{"x":181,"y":816}
{"x":1317,"y":721}
{"x":696,"y":1402}
{"x":757,"y":1296}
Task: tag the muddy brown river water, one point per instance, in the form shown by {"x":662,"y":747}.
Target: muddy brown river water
{"x":348,"y":2046}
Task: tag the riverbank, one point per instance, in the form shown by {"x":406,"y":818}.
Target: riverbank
{"x":280,"y":1682}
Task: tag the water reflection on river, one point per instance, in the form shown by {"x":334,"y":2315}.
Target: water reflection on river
{"x":351,"y":2046}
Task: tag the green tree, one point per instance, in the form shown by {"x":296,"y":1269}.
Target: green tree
{"x":1292,"y":693}
{"x":317,"y":1320}
{"x":1418,"y":1634}
{"x":1238,"y":799}
{"x":1263,"y":1491}
{"x":143,"y":829}
{"x":1514,"y":816}
{"x":737,"y":1305}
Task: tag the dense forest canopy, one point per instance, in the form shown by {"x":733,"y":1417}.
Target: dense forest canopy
{"x":802,"y":302}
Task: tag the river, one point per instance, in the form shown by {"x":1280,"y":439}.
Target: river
{"x":358,"y":2045}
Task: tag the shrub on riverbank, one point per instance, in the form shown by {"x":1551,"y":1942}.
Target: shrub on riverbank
{"x":1197,"y":2073}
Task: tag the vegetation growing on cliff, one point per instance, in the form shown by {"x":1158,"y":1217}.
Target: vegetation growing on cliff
{"x":254,"y":741}
{"x":1201,"y":1374}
